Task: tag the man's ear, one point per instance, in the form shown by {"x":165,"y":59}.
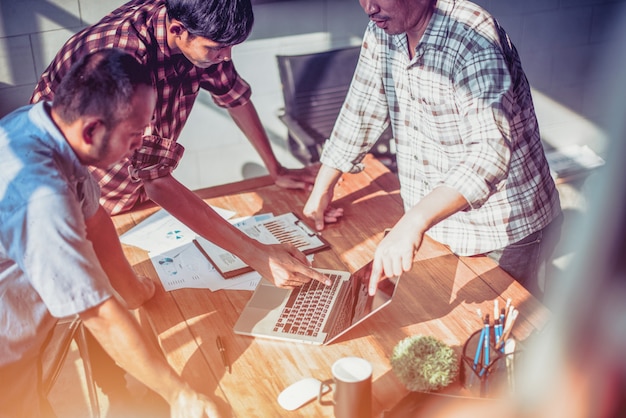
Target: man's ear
{"x":90,"y":128}
{"x":176,"y":27}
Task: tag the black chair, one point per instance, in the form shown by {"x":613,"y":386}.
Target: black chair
{"x":314,"y":88}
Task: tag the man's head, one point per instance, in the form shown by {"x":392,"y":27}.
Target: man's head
{"x":205,"y":30}
{"x":398,"y":16}
{"x":102,"y":106}
{"x":226,"y":22}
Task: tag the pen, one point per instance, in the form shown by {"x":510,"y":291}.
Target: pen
{"x":509,"y":326}
{"x":502,"y":321}
{"x":507,"y":307}
{"x":485,"y":347}
{"x":479,"y":345}
{"x":496,"y":311}
{"x":222,"y":350}
{"x":497,"y":331}
{"x":479,"y":348}
{"x":496,"y":322}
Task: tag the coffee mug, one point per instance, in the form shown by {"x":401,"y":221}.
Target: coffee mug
{"x":352,"y":394}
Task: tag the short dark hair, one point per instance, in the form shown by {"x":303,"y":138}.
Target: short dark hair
{"x":102,"y":84}
{"x":227,"y":22}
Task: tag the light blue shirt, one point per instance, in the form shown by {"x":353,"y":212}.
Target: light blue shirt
{"x":48,"y":268}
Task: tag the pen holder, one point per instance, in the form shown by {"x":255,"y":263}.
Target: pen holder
{"x":493,"y":378}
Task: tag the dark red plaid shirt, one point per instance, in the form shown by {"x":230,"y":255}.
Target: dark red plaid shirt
{"x":138,"y":28}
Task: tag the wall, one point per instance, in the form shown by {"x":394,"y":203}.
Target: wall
{"x":559,"y":42}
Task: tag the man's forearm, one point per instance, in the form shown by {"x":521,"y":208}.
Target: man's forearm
{"x":317,"y":206}
{"x":121,"y":336}
{"x":441,"y":203}
{"x":326,"y":179}
{"x":106,"y":244}
{"x":247,"y":119}
{"x":188,"y":208}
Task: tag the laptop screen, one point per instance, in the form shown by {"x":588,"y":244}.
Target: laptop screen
{"x":354,"y":304}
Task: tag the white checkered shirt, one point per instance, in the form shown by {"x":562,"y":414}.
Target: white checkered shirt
{"x":462,"y":116}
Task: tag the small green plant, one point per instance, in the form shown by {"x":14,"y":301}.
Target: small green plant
{"x":423,"y":363}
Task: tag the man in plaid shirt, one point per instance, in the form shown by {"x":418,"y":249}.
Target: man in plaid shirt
{"x":471,"y":165}
{"x":186,"y":45}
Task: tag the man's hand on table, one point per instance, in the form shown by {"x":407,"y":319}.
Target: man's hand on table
{"x":146,"y":288}
{"x":286,"y":266}
{"x":395,"y":253}
{"x":318,"y":210}
{"x":298,"y":178}
{"x":140,"y":290}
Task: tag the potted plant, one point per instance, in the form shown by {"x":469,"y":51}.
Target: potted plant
{"x":424,"y":364}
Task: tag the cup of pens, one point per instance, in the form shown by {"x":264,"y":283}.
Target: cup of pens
{"x":490,"y":354}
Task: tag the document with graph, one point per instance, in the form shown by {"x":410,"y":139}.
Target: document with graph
{"x":286,"y":229}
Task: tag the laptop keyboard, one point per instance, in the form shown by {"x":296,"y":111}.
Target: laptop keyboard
{"x":307,"y":308}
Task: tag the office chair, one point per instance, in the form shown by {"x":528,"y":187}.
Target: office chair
{"x":314,"y":88}
{"x":55,"y":353}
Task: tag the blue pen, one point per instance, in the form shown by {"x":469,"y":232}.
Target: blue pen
{"x":479,"y":348}
{"x":480,"y":341}
{"x":497,"y":331}
{"x":485,"y":346}
{"x":502,"y":318}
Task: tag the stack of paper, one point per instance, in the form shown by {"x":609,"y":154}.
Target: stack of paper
{"x":175,"y":257}
{"x":572,"y":161}
{"x":184,"y":260}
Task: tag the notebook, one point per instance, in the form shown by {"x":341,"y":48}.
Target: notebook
{"x":286,"y":229}
{"x":314,"y":313}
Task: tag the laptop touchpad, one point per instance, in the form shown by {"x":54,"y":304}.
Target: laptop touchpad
{"x":268,"y":297}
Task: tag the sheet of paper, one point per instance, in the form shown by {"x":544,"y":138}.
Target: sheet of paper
{"x":186,"y":267}
{"x":572,"y":160}
{"x":161,"y":231}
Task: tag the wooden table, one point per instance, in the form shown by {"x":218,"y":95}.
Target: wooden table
{"x":438,"y":297}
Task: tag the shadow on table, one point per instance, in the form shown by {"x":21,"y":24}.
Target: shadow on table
{"x":193,"y":372}
{"x":181,"y":338}
{"x":441,"y":290}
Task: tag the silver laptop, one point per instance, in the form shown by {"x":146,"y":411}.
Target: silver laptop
{"x":314,"y":313}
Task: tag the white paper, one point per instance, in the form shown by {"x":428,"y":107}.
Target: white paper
{"x":176,"y":259}
{"x":572,"y":160}
{"x":187,"y":267}
{"x":161,"y":231}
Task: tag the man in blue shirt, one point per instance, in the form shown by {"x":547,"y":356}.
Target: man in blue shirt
{"x":59,"y":252}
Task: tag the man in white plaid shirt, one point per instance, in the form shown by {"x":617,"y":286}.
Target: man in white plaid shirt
{"x":471,"y":165}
